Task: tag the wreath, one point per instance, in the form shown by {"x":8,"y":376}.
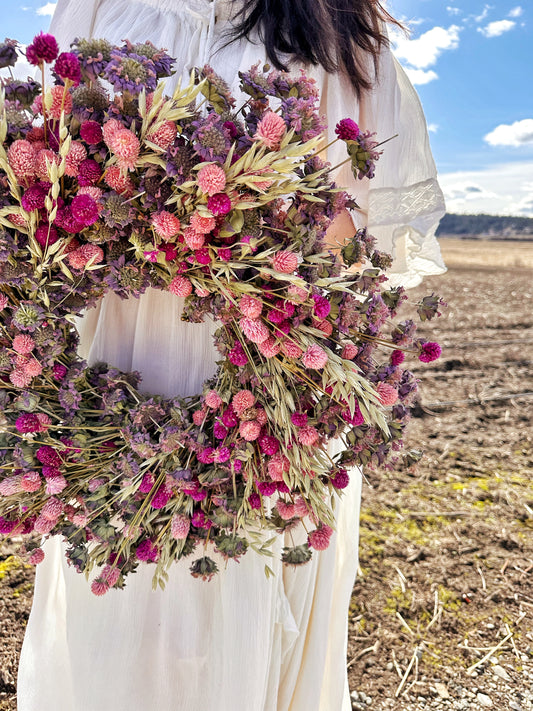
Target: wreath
{"x":224,"y":205}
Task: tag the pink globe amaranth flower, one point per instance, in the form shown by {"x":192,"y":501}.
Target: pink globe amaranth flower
{"x":268,"y":444}
{"x":341,"y":479}
{"x":300,"y":507}
{"x":250,"y":307}
{"x":255,"y":501}
{"x":43,"y":525}
{"x":222,"y":454}
{"x":322,"y":306}
{"x":161,"y":498}
{"x":299,"y":419}
{"x":91,"y":132}
{"x":84,"y":210}
{"x":206,"y":455}
{"x":315,"y":357}
{"x":180,"y":527}
{"x":276,"y":466}
{"x":18,"y":220}
{"x":34,"y":368}
{"x":59,"y":371}
{"x":4,"y":301}
{"x":290,"y":349}
{"x":349,"y":351}
{"x":30,"y":482}
{"x":27,"y":423}
{"x":224,"y":254}
{"x":242,"y":400}
{"x":202,"y":225}
{"x":319,"y":538}
{"x":92,"y":191}
{"x":193,"y":240}
{"x":67,"y":66}
{"x":219,"y":431}
{"x":147,"y":483}
{"x":34,"y":197}
{"x":75,"y":157}
{"x":44,"y":421}
{"x":55,"y":484}
{"x":23,"y":343}
{"x":308,"y":436}
{"x":81,"y":257}
{"x":326,"y":327}
{"x":285,"y":261}
{"x":61,"y":102}
{"x":166,"y":224}
{"x":202,"y":256}
{"x":261,"y":416}
{"x":347,"y":130}
{"x":118,"y":181}
{"x":125,"y":145}
{"x":36,"y":557}
{"x":387,"y":394}
{"x":164,"y":135}
{"x":110,"y":128}
{"x":269,"y":348}
{"x":211,"y":179}
{"x":200,"y":520}
{"x":80,"y":519}
{"x":181,"y":286}
{"x":43,"y":160}
{"x":237,"y":356}
{"x":249,"y":430}
{"x":20,"y":378}
{"x":198,"y":416}
{"x":285,"y":509}
{"x":267,"y":488}
{"x":254,"y":329}
{"x":48,"y":455}
{"x":110,"y":575}
{"x":219,"y":204}
{"x":11,"y":485}
{"x":52,"y":509}
{"x":147,"y":551}
{"x":43,"y":48}
{"x":21,"y":157}
{"x":270,"y":130}
{"x":297,"y":293}
{"x":99,"y":587}
{"x":213,"y":399}
{"x":429,"y":352}
{"x":229,"y":418}
{"x":397,"y":357}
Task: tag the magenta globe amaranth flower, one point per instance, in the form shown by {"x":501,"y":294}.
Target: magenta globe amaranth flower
{"x":347,"y":130}
{"x":44,"y":48}
{"x":67,"y":67}
{"x":429,"y":352}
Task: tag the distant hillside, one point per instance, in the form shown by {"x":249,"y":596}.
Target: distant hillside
{"x":487,"y":226}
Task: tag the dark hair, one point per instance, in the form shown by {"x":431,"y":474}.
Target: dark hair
{"x":339,"y":35}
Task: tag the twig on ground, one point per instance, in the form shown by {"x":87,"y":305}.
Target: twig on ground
{"x":414,"y":660}
{"x":483,"y":581}
{"x":404,"y":623}
{"x":489,"y":654}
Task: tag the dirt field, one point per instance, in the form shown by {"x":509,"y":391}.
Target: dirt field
{"x":441,"y":615}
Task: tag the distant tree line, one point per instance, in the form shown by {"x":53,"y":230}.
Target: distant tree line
{"x":486,"y":226}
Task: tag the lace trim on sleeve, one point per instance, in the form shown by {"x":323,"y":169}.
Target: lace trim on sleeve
{"x":393,"y":206}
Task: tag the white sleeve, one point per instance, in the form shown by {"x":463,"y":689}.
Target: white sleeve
{"x":403,"y":204}
{"x":71,"y":19}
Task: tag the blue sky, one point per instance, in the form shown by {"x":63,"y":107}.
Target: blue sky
{"x":470,"y":61}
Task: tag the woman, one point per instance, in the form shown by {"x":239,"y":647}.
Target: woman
{"x":241,"y":642}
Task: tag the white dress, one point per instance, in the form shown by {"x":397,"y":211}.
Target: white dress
{"x":241,"y":642}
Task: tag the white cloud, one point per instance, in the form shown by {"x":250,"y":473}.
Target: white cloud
{"x":47,"y":9}
{"x":519,"y":133}
{"x":453,"y":10}
{"x":484,"y":13}
{"x":516,"y":11}
{"x":420,"y":76}
{"x":424,"y":51}
{"x":433,"y":127}
{"x":504,"y":189}
{"x":497,"y":28}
